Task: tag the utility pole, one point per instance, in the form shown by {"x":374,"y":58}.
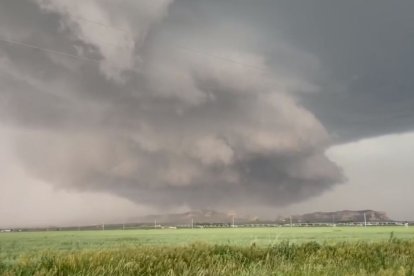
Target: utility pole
{"x":103,"y":226}
{"x":233,"y":221}
{"x":365,"y":220}
{"x":290,"y":221}
{"x":155,"y":224}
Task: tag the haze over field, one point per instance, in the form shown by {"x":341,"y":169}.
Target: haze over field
{"x":111,"y":109}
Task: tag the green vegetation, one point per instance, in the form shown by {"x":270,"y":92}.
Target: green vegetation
{"x":381,"y":258}
{"x":263,"y":251}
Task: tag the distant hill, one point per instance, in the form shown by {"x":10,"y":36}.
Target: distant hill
{"x":215,"y":217}
{"x":343,"y":216}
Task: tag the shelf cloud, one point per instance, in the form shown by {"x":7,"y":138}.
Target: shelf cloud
{"x":182,"y":103}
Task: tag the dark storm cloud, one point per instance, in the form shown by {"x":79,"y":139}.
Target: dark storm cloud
{"x":202,"y":103}
{"x":366,"y":53}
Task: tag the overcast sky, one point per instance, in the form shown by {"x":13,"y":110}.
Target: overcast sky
{"x":114,"y":109}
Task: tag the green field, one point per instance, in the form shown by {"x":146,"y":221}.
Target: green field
{"x":247,"y":251}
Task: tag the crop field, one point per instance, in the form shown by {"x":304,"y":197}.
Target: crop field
{"x":238,"y":251}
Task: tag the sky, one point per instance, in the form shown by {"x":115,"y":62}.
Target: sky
{"x":114,"y":109}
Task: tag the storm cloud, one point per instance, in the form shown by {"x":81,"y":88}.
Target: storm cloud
{"x":172,"y":103}
{"x":153,"y":121}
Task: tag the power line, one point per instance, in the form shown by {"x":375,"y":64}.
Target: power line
{"x":15,"y":42}
{"x":185,"y":48}
{"x":177,"y":46}
{"x":181,"y":47}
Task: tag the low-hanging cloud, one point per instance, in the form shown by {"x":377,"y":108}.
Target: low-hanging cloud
{"x":160,"y":124}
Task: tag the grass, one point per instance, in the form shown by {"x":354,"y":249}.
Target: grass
{"x":380,"y":258}
{"x":243,"y":251}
